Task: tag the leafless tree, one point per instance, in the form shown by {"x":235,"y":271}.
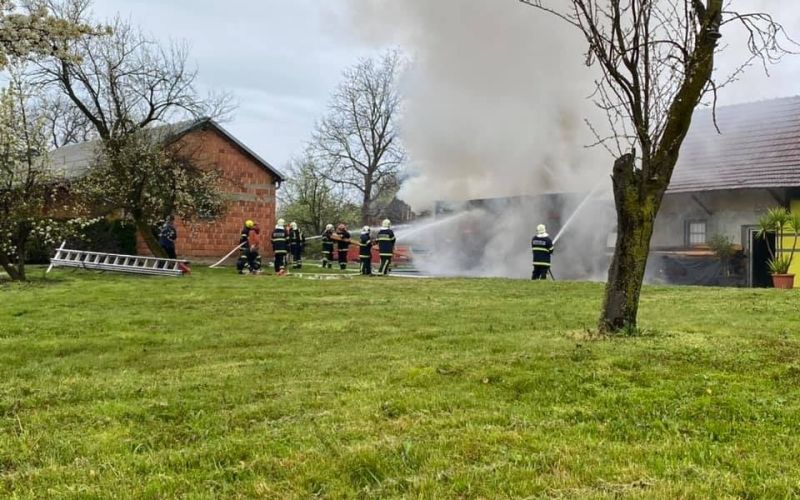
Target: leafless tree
{"x":656,"y":60}
{"x":312,"y":200}
{"x":123,"y":83}
{"x":358,"y":143}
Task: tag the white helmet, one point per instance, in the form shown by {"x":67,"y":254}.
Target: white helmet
{"x":386,"y":224}
{"x":329,"y":227}
{"x":365,"y":230}
{"x":541,"y":230}
{"x":293,"y":225}
{"x":281,"y":222}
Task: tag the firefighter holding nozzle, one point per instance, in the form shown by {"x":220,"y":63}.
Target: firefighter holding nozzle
{"x":542,"y":247}
{"x":342,"y":245}
{"x":386,"y":241}
{"x":327,"y":247}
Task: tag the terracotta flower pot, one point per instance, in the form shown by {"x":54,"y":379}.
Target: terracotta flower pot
{"x":784,"y":281}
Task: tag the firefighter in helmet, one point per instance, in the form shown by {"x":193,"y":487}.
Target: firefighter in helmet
{"x":386,"y":241}
{"x":327,"y":247}
{"x":248,"y":250}
{"x":342,"y":245}
{"x":280,"y":247}
{"x":365,"y":251}
{"x":542,"y":247}
{"x":297,"y":243}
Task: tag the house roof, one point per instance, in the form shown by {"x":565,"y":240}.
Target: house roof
{"x":758,"y":147}
{"x":74,"y":160}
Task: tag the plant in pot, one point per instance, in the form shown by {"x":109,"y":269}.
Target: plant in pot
{"x":784,"y":225}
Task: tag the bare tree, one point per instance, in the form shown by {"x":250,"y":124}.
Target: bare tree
{"x":312,"y":200}
{"x":358,"y":143}
{"x":656,"y":58}
{"x":123,"y":83}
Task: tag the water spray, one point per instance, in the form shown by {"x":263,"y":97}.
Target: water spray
{"x":577,"y":210}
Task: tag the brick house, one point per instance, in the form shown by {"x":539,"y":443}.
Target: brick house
{"x":248,"y":181}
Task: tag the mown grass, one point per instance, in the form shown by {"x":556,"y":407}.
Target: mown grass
{"x":219,"y":385}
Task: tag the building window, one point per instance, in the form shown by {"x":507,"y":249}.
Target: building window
{"x":696,"y":233}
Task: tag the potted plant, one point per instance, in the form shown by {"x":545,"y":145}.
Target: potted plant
{"x":783,"y":224}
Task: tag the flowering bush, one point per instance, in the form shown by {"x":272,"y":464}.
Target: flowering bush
{"x":30,"y":193}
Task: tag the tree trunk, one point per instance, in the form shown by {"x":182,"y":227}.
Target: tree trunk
{"x":147,"y":236}
{"x":12,"y":270}
{"x":636,"y":214}
{"x":366,"y":209}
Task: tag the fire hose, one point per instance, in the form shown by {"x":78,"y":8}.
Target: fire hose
{"x":226,"y":257}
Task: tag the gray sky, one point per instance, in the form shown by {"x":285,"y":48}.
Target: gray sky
{"x":282,"y":58}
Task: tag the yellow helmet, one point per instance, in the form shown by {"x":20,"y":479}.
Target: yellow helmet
{"x":249,"y":224}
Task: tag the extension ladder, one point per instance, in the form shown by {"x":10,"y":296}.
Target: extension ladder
{"x":118,"y":263}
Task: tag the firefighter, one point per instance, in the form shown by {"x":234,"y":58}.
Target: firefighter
{"x":365,"y":251}
{"x":542,"y":247}
{"x":342,"y":245}
{"x":327,"y":247}
{"x":297,"y":244}
{"x":280,"y":247}
{"x":386,"y":241}
{"x":248,"y":250}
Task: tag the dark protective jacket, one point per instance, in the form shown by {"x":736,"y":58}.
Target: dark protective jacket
{"x":386,"y":242}
{"x":542,"y":247}
{"x":297,"y":238}
{"x":279,"y":241}
{"x":327,"y":242}
{"x":244,"y":238}
{"x":344,"y":243}
{"x":365,"y":246}
{"x":168,"y":235}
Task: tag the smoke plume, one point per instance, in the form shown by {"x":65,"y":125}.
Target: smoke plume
{"x":495,"y":98}
{"x":496,"y":101}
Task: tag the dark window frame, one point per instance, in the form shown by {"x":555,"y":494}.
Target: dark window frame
{"x":687,"y":233}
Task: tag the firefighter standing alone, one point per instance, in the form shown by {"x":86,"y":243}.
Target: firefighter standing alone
{"x":386,"y":241}
{"x":280,"y":247}
{"x":542,"y":247}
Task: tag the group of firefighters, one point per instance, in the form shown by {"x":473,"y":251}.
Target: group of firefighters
{"x":288,"y":241}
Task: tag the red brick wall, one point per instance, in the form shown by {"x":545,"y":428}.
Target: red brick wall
{"x":250,"y":191}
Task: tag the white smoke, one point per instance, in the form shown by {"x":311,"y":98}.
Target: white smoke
{"x":496,"y":101}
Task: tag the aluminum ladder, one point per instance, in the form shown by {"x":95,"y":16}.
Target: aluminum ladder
{"x":134,"y":264}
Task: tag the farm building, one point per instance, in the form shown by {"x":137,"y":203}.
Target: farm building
{"x":249,"y":184}
{"x":722,"y":185}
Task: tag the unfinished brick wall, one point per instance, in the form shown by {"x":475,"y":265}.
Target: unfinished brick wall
{"x":250,"y":194}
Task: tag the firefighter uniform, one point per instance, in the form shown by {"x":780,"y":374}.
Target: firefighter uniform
{"x":280,"y":248}
{"x":365,"y":252}
{"x":248,"y":256}
{"x":327,"y":247}
{"x":342,"y":246}
{"x":542,"y":247}
{"x":386,"y":241}
{"x":297,"y":243}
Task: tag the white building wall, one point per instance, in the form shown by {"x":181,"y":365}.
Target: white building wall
{"x":725,"y":212}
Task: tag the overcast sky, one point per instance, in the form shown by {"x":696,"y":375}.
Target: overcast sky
{"x":282,"y":58}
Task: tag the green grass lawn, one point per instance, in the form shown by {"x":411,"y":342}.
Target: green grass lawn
{"x":219,"y":385}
